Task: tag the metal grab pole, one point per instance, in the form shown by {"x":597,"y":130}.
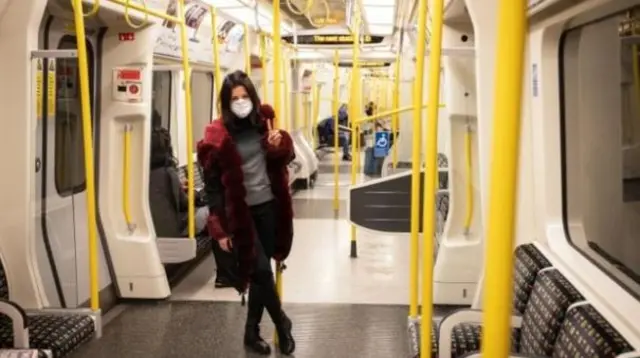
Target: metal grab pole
{"x":87,"y":139}
{"x":512,"y":25}
{"x":287,"y":95}
{"x":355,"y":110}
{"x":216,"y":52}
{"x":416,"y":164}
{"x":263,"y":65}
{"x":336,"y":131}
{"x":277,"y":103}
{"x":277,"y":75}
{"x":430,"y":179}
{"x":186,"y":66}
{"x":396,"y":117}
{"x":247,"y":51}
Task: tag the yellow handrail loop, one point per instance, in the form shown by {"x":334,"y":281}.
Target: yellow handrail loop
{"x":327,"y":16}
{"x":127,"y":19}
{"x":94,"y":9}
{"x":308,"y":5}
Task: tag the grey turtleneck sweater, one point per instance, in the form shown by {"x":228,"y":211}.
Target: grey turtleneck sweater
{"x":254,"y":166}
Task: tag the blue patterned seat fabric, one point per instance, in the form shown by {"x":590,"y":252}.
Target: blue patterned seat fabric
{"x":61,"y":334}
{"x":585,"y":333}
{"x":529,"y":261}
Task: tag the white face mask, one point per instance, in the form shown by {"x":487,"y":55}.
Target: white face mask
{"x":241,"y":107}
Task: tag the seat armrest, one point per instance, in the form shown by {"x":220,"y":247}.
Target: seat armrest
{"x":18,"y":321}
{"x":445,"y":328}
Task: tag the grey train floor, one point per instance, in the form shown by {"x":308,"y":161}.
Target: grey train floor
{"x":214,"y":329}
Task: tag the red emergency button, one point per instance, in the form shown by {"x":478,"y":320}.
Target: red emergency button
{"x":133,"y":89}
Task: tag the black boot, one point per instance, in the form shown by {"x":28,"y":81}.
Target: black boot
{"x":252,"y":338}
{"x":273,"y":305}
{"x":286,"y":343}
{"x":222,"y":281}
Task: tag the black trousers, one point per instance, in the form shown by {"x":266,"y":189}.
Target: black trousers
{"x":262,"y":289}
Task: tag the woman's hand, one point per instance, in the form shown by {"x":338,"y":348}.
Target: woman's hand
{"x":225,"y":244}
{"x":274,"y":138}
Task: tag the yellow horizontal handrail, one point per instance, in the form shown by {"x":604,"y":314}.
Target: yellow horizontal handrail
{"x":126,"y":174}
{"x":389,"y":113}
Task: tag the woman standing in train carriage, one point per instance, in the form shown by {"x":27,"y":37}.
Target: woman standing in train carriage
{"x":251,"y":215}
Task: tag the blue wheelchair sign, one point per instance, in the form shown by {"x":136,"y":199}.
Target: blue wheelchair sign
{"x":381,"y":144}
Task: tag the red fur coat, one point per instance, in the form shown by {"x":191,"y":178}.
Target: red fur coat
{"x":232,"y":218}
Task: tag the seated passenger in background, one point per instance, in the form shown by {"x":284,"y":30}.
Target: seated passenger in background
{"x":369,"y":109}
{"x":167,"y":197}
{"x":326,"y":131}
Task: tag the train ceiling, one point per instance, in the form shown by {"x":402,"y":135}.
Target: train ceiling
{"x":379,"y":16}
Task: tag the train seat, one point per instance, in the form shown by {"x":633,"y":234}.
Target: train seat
{"x":60,"y":333}
{"x":204,"y":243}
{"x":534,"y":332}
{"x":529,"y":262}
{"x":584,"y":333}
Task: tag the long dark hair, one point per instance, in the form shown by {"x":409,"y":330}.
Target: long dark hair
{"x":161,"y":149}
{"x":233,"y":80}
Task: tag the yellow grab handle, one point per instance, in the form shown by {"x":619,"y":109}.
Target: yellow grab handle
{"x":126,"y":175}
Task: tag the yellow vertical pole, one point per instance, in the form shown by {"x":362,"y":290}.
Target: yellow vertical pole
{"x":512,"y":24}
{"x":316,"y":104}
{"x":286,"y":114}
{"x":396,"y":117}
{"x":416,"y":162}
{"x":247,"y":50}
{"x":307,"y":117}
{"x":87,"y":137}
{"x":355,"y":111}
{"x":277,"y":102}
{"x":315,"y":139}
{"x":216,"y":51}
{"x":336,"y":132}
{"x":186,"y":67}
{"x":277,"y":76}
{"x":430,"y":178}
{"x":636,"y":79}
{"x":263,"y":65}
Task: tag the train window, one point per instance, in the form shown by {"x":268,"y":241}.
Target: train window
{"x":600,"y":81}
{"x":69,"y":147}
{"x":161,"y":100}
{"x":201,"y":103}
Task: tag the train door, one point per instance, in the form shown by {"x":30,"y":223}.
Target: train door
{"x":60,"y":180}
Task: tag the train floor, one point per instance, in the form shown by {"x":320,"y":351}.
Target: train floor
{"x":340,"y":306}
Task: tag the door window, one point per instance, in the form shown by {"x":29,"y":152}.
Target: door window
{"x":69,"y":146}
